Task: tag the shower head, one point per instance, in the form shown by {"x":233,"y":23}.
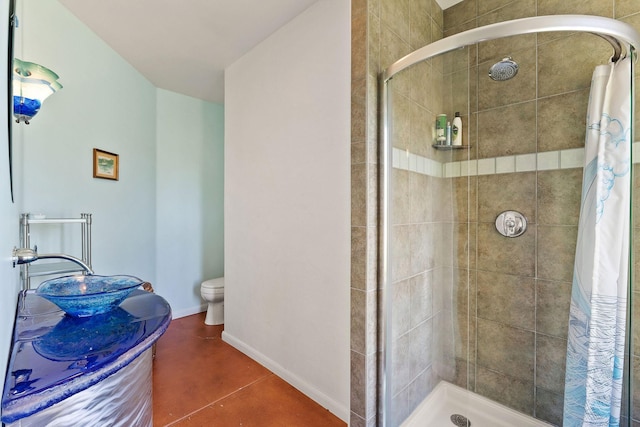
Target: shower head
{"x":503,"y":70}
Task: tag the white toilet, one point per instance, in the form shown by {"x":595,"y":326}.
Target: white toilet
{"x":212,"y":291}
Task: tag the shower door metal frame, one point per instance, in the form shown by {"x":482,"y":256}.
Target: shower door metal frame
{"x":624,"y":39}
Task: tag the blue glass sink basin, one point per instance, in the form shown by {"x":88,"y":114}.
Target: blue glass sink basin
{"x":81,"y":296}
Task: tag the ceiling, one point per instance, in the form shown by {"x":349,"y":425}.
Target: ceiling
{"x":184,"y":46}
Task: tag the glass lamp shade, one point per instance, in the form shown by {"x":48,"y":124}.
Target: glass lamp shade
{"x":31,"y":85}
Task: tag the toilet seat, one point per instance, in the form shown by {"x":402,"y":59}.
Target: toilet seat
{"x":214,"y":283}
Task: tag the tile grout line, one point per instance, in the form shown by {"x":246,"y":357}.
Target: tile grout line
{"x":220,"y":399}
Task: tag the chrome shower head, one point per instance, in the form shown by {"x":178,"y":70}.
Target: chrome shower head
{"x":503,"y":70}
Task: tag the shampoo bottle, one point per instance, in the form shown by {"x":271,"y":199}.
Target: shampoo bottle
{"x":456,"y":130}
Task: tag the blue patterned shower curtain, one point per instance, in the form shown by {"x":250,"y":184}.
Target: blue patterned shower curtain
{"x":596,"y":339}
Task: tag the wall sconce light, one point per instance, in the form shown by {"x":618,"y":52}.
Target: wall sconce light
{"x":31,"y":85}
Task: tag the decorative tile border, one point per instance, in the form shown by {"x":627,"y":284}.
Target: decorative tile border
{"x":548,"y":160}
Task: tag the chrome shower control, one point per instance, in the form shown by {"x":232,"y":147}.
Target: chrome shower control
{"x":511,"y":224}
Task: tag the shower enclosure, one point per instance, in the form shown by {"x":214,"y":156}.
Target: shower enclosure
{"x":462,"y":302}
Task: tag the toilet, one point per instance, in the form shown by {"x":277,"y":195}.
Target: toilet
{"x":212,"y":292}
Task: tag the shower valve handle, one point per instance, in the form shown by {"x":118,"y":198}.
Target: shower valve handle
{"x":511,"y":224}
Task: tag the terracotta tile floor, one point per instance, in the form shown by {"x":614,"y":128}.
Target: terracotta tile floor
{"x":199,"y":380}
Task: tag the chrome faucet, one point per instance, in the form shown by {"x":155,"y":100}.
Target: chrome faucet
{"x":27,"y":256}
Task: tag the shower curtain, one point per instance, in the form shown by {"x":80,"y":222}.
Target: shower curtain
{"x":596,"y":338}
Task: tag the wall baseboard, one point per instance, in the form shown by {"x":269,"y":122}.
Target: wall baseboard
{"x":336,"y":408}
{"x":189,"y":311}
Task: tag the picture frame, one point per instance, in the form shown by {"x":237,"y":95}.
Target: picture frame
{"x":105,"y":164}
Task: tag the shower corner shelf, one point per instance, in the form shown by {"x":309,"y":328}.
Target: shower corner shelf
{"x":450,"y":147}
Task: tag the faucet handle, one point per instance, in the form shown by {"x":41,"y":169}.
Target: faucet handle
{"x":24,"y":255}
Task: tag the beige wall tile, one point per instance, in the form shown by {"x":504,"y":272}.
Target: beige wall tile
{"x":473,"y":23}
{"x":373,"y":44}
{"x":401,"y":256}
{"x":486,"y":6}
{"x":459,"y":13}
{"x":636,"y":258}
{"x":465,"y":208}
{"x":502,"y":192}
{"x":492,"y":384}
{"x":557,"y":74}
{"x":466,"y":245}
{"x":363,"y":321}
{"x":359,"y":45}
{"x":550,"y":362}
{"x":635,"y":323}
{"x":421,"y":302}
{"x":420,"y":349}
{"x":457,"y":60}
{"x":424,"y":244}
{"x":421,"y":193}
{"x":552,"y":307}
{"x":359,"y":191}
{"x":506,"y":255}
{"x":421,"y":6}
{"x":400,"y":319}
{"x":465,"y":308}
{"x":437,"y":15}
{"x":626,"y":7}
{"x":635,"y":386}
{"x":422,"y":91}
{"x":561,"y":120}
{"x":358,"y":320}
{"x":392,"y":48}
{"x":507,"y":130}
{"x":400,"y":369}
{"x":493,"y":50}
{"x":559,"y":195}
{"x":358,"y":383}
{"x":507,"y":299}
{"x":396,"y":14}
{"x":421,"y":124}
{"x":549,"y":406}
{"x":400,"y":208}
{"x":358,"y":110}
{"x":556,"y":252}
{"x":443,"y":199}
{"x":505,"y":349}
{"x":460,"y":88}
{"x":579,"y":7}
{"x":401,"y":117}
{"x":372,"y":117}
{"x":358,"y":257}
{"x":358,"y":153}
{"x":420,"y":29}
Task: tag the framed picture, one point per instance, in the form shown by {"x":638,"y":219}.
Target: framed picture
{"x":105,"y":164}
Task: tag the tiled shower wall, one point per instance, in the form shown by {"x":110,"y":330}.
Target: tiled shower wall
{"x":512,"y":295}
{"x":382,"y":32}
{"x":520,"y":288}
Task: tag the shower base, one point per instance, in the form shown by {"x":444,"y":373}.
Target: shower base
{"x":447,"y":400}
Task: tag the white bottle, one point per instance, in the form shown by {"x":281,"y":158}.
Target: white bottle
{"x":456,"y":130}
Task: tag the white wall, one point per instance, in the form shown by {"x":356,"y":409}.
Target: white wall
{"x":287,"y":203}
{"x":189,"y":194}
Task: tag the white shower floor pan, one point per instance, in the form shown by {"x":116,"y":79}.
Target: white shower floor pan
{"x":447,"y":399}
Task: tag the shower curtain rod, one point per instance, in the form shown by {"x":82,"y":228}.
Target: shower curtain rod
{"x":622,"y":36}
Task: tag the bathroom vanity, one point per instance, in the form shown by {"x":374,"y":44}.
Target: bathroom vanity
{"x":87,"y":371}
